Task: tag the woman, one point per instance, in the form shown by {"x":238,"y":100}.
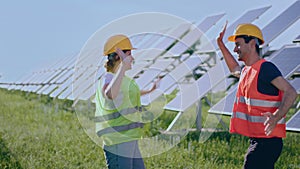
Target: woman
{"x":118,"y":107}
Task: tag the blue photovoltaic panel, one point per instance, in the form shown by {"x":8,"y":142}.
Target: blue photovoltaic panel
{"x":57,"y":80}
{"x":89,"y":91}
{"x":153,"y":38}
{"x":248,"y":17}
{"x":194,"y":35}
{"x":225,"y":105}
{"x":296,"y":84}
{"x":85,"y":89}
{"x":188,"y":39}
{"x":192,"y":93}
{"x":172,"y":78}
{"x":179,"y":48}
{"x":281,"y":22}
{"x":287,"y":60}
{"x":297,"y":39}
{"x":66,"y":83}
{"x":294,"y":123}
{"x":153,"y":71}
{"x":136,"y":69}
{"x":165,"y":41}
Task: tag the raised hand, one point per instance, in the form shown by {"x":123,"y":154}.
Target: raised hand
{"x":221,"y":35}
{"x":126,"y":59}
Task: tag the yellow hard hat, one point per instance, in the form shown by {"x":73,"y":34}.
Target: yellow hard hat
{"x":247,"y":29}
{"x":117,"y":41}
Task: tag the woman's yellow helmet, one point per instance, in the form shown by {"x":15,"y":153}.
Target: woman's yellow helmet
{"x":117,"y":41}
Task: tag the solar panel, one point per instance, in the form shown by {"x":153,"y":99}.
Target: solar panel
{"x":286,"y":59}
{"x":55,"y":77}
{"x":172,"y":78}
{"x":297,"y":39}
{"x":194,"y":35}
{"x":27,"y":78}
{"x":247,"y":17}
{"x":153,"y":72}
{"x":138,"y":38}
{"x":178,"y":49}
{"x":17,"y":84}
{"x":63,"y":83}
{"x":225,"y":105}
{"x":79,"y":91}
{"x":137,"y":68}
{"x":192,"y":93}
{"x":151,"y":40}
{"x":39,"y":80}
{"x":294,"y":122}
{"x":81,"y":72}
{"x":164,"y":42}
{"x":296,"y":84}
{"x":61,"y":88}
{"x":47,"y":89}
{"x":187,"y":40}
{"x":66,"y":93}
{"x":58,"y":79}
{"x":281,"y":22}
{"x":4,"y":86}
{"x":89,"y":91}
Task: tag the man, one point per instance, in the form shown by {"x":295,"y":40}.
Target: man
{"x":262,"y":100}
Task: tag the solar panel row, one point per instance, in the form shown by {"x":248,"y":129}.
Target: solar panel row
{"x":163,"y":53}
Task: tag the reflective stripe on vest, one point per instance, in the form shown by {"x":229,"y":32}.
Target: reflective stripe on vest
{"x":257,"y":102}
{"x":254,"y":119}
{"x":119,"y":128}
{"x":117,"y":114}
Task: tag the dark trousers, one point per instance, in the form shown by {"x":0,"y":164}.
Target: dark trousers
{"x":263,"y":153}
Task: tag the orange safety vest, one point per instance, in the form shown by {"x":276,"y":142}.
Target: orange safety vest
{"x":250,"y":104}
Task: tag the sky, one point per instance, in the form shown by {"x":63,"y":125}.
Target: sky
{"x":35,"y":33}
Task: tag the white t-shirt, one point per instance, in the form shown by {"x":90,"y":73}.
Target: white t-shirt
{"x":107,"y":78}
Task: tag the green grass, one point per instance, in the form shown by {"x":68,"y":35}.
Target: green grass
{"x":39,"y":132}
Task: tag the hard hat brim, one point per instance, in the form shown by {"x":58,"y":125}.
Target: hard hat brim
{"x":231,"y":38}
{"x":106,"y":54}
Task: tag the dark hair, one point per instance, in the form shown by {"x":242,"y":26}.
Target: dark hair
{"x":249,"y":38}
{"x":112,"y":58}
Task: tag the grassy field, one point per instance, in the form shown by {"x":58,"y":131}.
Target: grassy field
{"x":39,"y":132}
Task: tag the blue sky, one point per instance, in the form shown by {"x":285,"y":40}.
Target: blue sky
{"x":35,"y":33}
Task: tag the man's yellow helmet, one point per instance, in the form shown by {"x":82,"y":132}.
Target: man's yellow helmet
{"x":249,"y":30}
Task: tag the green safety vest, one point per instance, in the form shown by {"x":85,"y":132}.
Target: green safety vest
{"x":119,"y":120}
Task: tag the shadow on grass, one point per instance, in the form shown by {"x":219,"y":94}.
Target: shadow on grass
{"x":7,"y":160}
